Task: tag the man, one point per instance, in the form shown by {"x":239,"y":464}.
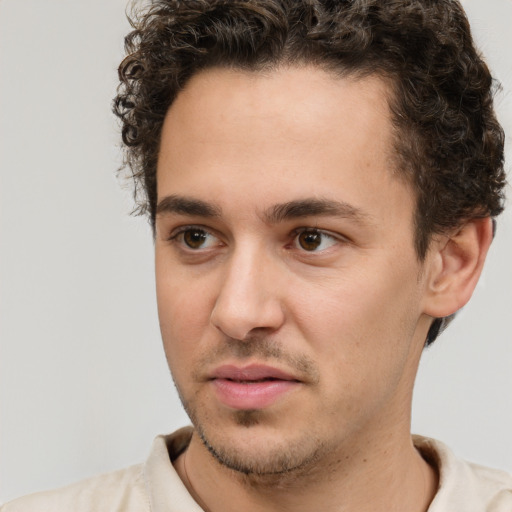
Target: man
{"x":321,"y":178}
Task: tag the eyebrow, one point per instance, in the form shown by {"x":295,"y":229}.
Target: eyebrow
{"x":299,"y":208}
{"x":311,"y":207}
{"x":187,"y":206}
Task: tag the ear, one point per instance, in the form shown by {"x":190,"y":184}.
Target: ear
{"x":456,"y":262}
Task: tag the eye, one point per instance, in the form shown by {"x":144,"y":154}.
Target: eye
{"x":195,"y":238}
{"x":314,"y":240}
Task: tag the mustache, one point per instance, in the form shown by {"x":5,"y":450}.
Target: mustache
{"x":261,"y":347}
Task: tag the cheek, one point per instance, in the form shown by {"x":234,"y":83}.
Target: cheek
{"x":360,"y":344}
{"x":184,"y":312}
{"x":361,"y":321}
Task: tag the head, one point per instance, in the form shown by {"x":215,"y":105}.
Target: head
{"x":448,"y":145}
{"x":320,"y":177}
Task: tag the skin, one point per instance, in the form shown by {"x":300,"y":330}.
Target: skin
{"x":347,"y":318}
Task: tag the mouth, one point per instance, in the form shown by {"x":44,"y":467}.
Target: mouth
{"x":251,"y":373}
{"x":251,"y":387}
{"x":253,"y":381}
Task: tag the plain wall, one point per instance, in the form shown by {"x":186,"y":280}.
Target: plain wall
{"x":84,"y":386}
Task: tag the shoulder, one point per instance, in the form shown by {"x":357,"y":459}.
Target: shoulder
{"x":464,"y":485}
{"x":151,"y":486}
{"x":494,"y":485}
{"x":118,"y":491}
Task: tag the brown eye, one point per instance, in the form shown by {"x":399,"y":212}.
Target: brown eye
{"x":194,"y":238}
{"x":310,"y":240}
{"x":315,"y":240}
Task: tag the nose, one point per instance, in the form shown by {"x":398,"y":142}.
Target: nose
{"x":249,"y":297}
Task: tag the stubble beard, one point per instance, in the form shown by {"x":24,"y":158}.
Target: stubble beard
{"x":287,"y":462}
{"x":288,"y":458}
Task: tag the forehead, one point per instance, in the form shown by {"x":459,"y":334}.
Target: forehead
{"x":291,"y":132}
{"x":301,"y":103}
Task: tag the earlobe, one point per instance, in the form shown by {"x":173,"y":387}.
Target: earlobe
{"x":456,"y":264}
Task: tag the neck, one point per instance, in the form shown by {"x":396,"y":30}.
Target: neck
{"x":387,"y":475}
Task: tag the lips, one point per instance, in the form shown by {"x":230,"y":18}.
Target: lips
{"x":251,"y":387}
{"x":250,"y":373}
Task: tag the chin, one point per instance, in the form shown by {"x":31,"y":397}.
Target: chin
{"x":253,"y":449}
{"x":255,"y":442}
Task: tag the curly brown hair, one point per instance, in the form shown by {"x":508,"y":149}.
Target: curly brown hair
{"x":448,"y":143}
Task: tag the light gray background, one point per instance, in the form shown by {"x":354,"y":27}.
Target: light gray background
{"x":84,"y":387}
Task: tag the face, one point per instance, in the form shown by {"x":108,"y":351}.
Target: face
{"x":290,"y":296}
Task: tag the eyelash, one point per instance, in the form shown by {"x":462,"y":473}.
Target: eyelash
{"x":316,"y":232}
{"x":176,"y":234}
{"x":324,"y":235}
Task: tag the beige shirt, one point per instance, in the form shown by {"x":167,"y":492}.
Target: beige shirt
{"x":156,"y":487}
